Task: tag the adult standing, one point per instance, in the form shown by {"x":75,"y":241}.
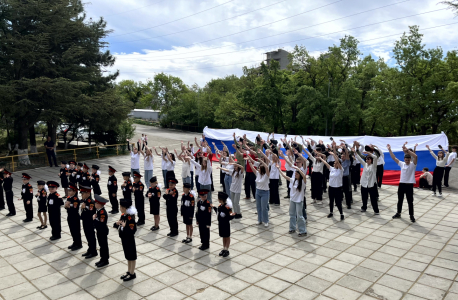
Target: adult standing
{"x":448,"y":166}
{"x":335,"y":185}
{"x":50,"y":151}
{"x":134,"y":159}
{"x":8,"y":187}
{"x":149,"y":163}
{"x":441,"y":160}
{"x":262,"y":190}
{"x":406,"y":181}
{"x":368,"y":179}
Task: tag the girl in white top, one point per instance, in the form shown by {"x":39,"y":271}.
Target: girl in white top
{"x":289,"y":162}
{"x":163,"y":165}
{"x":368,"y":179}
{"x":149,"y":163}
{"x":317,"y":175}
{"x":236,"y":186}
{"x":335,"y":185}
{"x":273,"y":162}
{"x":185,"y":167}
{"x":262,"y":189}
{"x":134,"y":158}
{"x":205,"y":171}
{"x":439,"y":170}
{"x":296,"y":204}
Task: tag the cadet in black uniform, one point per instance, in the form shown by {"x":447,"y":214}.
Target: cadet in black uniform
{"x":85,"y":177}
{"x":154,"y":196}
{"x":27,"y":196}
{"x":79,"y":173}
{"x":42,"y":195}
{"x":63,"y":175}
{"x":187,"y":211}
{"x":2,"y":198}
{"x":127,"y":228}
{"x":87,"y":213}
{"x":72,"y":204}
{"x":72,"y":172}
{"x":139,"y":189}
{"x":171,"y":200}
{"x":126,"y":186}
{"x":54,"y":204}
{"x":112,"y":187}
{"x":95,"y":178}
{"x":9,"y":195}
{"x":100,"y":224}
{"x":225,"y":215}
{"x":204,"y":218}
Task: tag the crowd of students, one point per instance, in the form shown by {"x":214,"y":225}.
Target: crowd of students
{"x":333,"y":168}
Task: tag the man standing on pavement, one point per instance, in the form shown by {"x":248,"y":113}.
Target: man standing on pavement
{"x":50,"y":147}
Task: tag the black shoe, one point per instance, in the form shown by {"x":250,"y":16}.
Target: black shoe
{"x":363,"y":210}
{"x":86,"y":253}
{"x":188,"y":240}
{"x":342,"y":217}
{"x":53,"y":238}
{"x":103,"y":264}
{"x":125,"y":275}
{"x":349,"y":207}
{"x":226,"y":253}
{"x":330,"y":215}
{"x":130,"y":277}
{"x":172,"y":234}
{"x":168,"y":234}
{"x":237,"y":216}
{"x":27,"y":220}
{"x":74,"y":248}
{"x":204,"y":247}
{"x":154,"y":228}
{"x":114,"y":212}
{"x":2,"y":208}
{"x":412,"y":219}
{"x":10,"y":215}
{"x":71,"y":246}
{"x":43,"y":227}
{"x":397,"y":216}
{"x":222,"y":252}
{"x":140,"y":223}
{"x":91,"y":255}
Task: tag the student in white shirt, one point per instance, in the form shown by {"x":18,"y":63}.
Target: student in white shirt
{"x":205,"y":171}
{"x":380,"y":167}
{"x":289,"y":161}
{"x":296,"y":217}
{"x":236,"y":186}
{"x":317,"y":176}
{"x":185,"y":167}
{"x":134,"y":158}
{"x":335,"y":185}
{"x":441,"y":160}
{"x":273,"y":162}
{"x":448,"y":166}
{"x":426,"y":179}
{"x":262,"y":190}
{"x":149,"y":163}
{"x":368,"y":179}
{"x":407,"y":180}
{"x":163,"y":165}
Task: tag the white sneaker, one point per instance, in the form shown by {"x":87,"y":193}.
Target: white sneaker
{"x":266,"y":224}
{"x":320,"y":202}
{"x":433,"y":194}
{"x":440,"y":195}
{"x":259,"y":223}
{"x":313,"y":201}
{"x":255,"y":212}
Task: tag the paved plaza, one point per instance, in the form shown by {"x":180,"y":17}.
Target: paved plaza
{"x":362,"y":257}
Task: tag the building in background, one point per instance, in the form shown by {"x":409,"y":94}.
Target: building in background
{"x":146,"y":114}
{"x":280,"y":55}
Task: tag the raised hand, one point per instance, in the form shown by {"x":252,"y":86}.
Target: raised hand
{"x":388,"y":147}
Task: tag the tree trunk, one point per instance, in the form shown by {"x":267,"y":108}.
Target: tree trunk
{"x":33,"y":140}
{"x":372,"y":128}
{"x":333,"y":127}
{"x":407,"y":125}
{"x":400,"y":128}
{"x":360,"y":126}
{"x":89,"y":138}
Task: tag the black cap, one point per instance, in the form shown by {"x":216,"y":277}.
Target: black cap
{"x":241,"y":140}
{"x":110,"y":168}
{"x":203,"y":192}
{"x":63,"y":162}
{"x":72,"y":162}
{"x":258,"y":139}
{"x":126,"y":174}
{"x":173,"y":180}
{"x":95,"y":167}
{"x":85,"y":189}
{"x":52,"y":184}
{"x":222,"y":196}
{"x":153,"y":179}
{"x":187,"y":185}
{"x":125,"y":203}
{"x":100,"y":199}
{"x":137,"y":174}
{"x":41,"y":182}
{"x":26,"y":176}
{"x":80,"y":164}
{"x":72,"y":186}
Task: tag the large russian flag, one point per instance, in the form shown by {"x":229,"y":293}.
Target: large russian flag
{"x":392,"y":170}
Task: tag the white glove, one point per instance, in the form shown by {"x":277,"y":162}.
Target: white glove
{"x":222,"y":214}
{"x":202,"y":208}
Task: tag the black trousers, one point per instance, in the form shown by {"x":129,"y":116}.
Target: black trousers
{"x":437,"y":178}
{"x":317,"y":186}
{"x":28,"y":209}
{"x":356,"y":175}
{"x":204,"y":235}
{"x":75,"y":229}
{"x":51,"y":154}
{"x":54,"y":221}
{"x":172,"y":212}
{"x":347,"y":190}
{"x":102,"y":237}
{"x":2,"y":198}
{"x":446,"y":175}
{"x":335,"y":195}
{"x":10,"y":202}
{"x":407,"y":189}
{"x":424,"y":183}
{"x":197,"y":182}
{"x":140,"y":206}
{"x":289,"y":174}
{"x":192,"y":180}
{"x":88,"y":227}
{"x":371,"y":192}
{"x":250,"y":184}
{"x":212,"y":186}
{"x":114,"y":202}
{"x":221,"y":180}
{"x":274,"y":196}
{"x":379,"y":174}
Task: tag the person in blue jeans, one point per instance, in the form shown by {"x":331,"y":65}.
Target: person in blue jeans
{"x":262,"y":189}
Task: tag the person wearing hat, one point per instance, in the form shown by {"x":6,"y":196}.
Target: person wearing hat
{"x":87,"y":215}
{"x":126,"y":186}
{"x":72,"y":172}
{"x":138,"y":188}
{"x":27,"y":196}
{"x":112,"y":187}
{"x":204,"y":218}
{"x":9,"y":195}
{"x":63,"y":175}
{"x":100,"y":224}
{"x":154,"y":196}
{"x":54,"y":204}
{"x":225,"y":215}
{"x":95,"y":178}
{"x":126,"y":227}
{"x":85,"y":177}
{"x":42,"y":195}
{"x":171,"y":201}
{"x":79,"y":173}
{"x":72,"y":205}
{"x":187,"y":211}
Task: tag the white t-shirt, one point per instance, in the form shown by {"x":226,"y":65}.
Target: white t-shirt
{"x":170,"y":166}
{"x":407,"y":172}
{"x":204,"y":176}
{"x":296,"y":196}
{"x":134,"y":160}
{"x":163,"y":163}
{"x":335,"y":177}
{"x":236,"y":185}
{"x":149,"y":160}
{"x":451,"y":157}
{"x":186,"y":170}
{"x":317,"y":165}
{"x":274,"y":171}
{"x":262,"y":182}
{"x":381,"y":159}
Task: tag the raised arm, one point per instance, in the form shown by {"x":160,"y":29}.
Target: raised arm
{"x":197,"y":143}
{"x":392,"y":154}
{"x":432,"y":153}
{"x":265,"y":166}
{"x":324,"y":161}
{"x":413,"y":155}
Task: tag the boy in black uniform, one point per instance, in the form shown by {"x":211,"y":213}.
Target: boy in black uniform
{"x":138,"y":189}
{"x":171,"y":200}
{"x":126,"y":186}
{"x":204,"y":218}
{"x":54,"y":204}
{"x":42,"y":195}
{"x":8,"y":187}
{"x":187,"y":211}
{"x":63,"y":175}
{"x":85,"y":177}
{"x":72,"y":172}
{"x":87,"y":215}
{"x":72,"y":205}
{"x":27,"y":196}
{"x":95,"y":178}
{"x":79,"y":173}
{"x":225,"y":215}
{"x":100,"y":224}
{"x":112,"y":187}
{"x":154,"y":196}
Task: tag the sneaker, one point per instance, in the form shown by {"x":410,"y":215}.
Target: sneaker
{"x":376,"y":214}
{"x":292,"y":231}
{"x":222,"y":252}
{"x":330,"y":215}
{"x":363,"y":210}
{"x":342,"y":217}
{"x":226,"y":253}
{"x":397,"y":216}
{"x":412,"y":219}
{"x":433,"y":194}
{"x":266,"y":224}
{"x":440,"y":195}
{"x":313,"y":201}
{"x":259,"y":223}
{"x":302,"y":234}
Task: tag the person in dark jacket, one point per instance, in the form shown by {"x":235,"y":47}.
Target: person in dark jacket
{"x":127,"y":228}
{"x":42,"y":196}
{"x":139,"y":188}
{"x":72,"y":205}
{"x":87,"y":214}
{"x":171,"y":200}
{"x":27,"y":196}
{"x":63,"y":175}
{"x":95,"y":179}
{"x":225,"y":215}
{"x":154,"y":196}
{"x":187,"y":211}
{"x":9,"y":195}
{"x":85,"y":177}
{"x":72,"y":172}
{"x":204,"y":218}
{"x":112,"y":187}
{"x":100,"y":224}
{"x":126,"y":186}
{"x":54,"y":203}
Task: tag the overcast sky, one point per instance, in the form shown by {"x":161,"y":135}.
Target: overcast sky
{"x":153,"y":36}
